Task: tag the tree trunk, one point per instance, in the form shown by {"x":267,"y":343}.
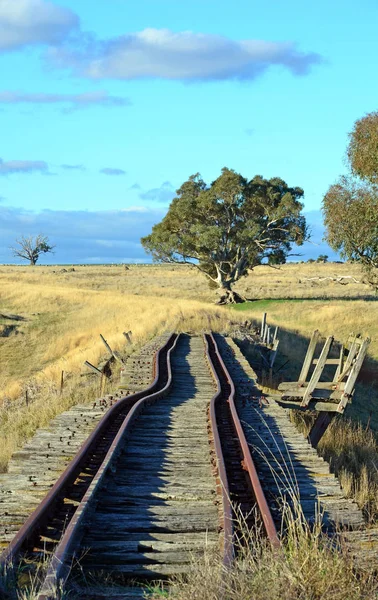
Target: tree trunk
{"x":227,"y":295}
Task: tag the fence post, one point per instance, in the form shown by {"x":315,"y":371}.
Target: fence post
{"x":263,"y":323}
{"x":127,"y":335}
{"x":61,"y":382}
{"x":102,"y":384}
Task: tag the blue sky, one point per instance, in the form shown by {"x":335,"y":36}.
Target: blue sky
{"x":106,"y":107}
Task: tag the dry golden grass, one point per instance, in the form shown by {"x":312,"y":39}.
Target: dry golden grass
{"x":293,"y":281}
{"x":337,"y":317}
{"x":18,"y":425}
{"x":353,"y":454}
{"x":352,"y":451}
{"x":307,"y":567}
{"x":64,"y":317}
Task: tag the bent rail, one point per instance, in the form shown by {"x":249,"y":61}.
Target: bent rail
{"x":63,"y":552}
{"x":247,"y":461}
{"x":42,"y":513}
{"x":227,"y":516}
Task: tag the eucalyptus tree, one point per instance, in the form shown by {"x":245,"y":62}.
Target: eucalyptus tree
{"x":350,"y":209}
{"x":228,"y":227}
{"x":362,"y":151}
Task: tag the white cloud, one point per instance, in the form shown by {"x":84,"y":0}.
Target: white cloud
{"x":71,"y":101}
{"x":26,"y":22}
{"x":188,"y":56}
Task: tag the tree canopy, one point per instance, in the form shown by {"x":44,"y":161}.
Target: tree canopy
{"x":362,"y":151}
{"x":229,"y":226}
{"x":350,"y":210}
{"x":30,"y":248}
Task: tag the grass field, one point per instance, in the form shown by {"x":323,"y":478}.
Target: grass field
{"x":50,"y":321}
{"x":63,"y":312}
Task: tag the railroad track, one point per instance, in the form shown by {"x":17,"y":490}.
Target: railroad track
{"x":291,"y":472}
{"x":34,"y":469}
{"x":159,"y":484}
{"x":168,"y":473}
{"x":38,"y":536}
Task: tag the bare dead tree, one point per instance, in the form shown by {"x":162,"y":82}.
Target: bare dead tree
{"x":30,"y":248}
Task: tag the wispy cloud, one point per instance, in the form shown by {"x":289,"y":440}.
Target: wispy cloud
{"x":164,"y":194}
{"x":12,"y":167}
{"x":30,"y":22}
{"x":70,"y":102}
{"x":186,"y":56}
{"x":112,"y":171}
{"x":73,"y":167}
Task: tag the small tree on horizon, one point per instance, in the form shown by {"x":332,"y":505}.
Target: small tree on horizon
{"x":30,"y":248}
{"x":228,"y":227}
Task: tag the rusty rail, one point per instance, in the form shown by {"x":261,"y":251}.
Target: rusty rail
{"x":247,"y":461}
{"x":43,"y":512}
{"x":222,"y":479}
{"x":63,"y":552}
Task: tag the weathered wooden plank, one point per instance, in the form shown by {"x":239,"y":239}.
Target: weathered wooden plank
{"x":92,"y":367}
{"x":106,"y":345}
{"x":304,"y":394}
{"x":309,"y":356}
{"x":312,"y":405}
{"x":310,"y":388}
{"x":263,"y":325}
{"x":115,"y":592}
{"x":329,"y":361}
{"x":321,"y":385}
{"x":323,"y":420}
{"x":163,"y":482}
{"x":355,"y":369}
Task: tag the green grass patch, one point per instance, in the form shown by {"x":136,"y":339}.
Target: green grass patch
{"x":265,"y":304}
{"x":272,"y":302}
